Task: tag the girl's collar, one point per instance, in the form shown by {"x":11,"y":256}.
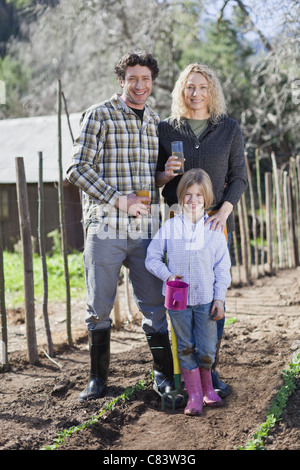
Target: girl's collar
{"x":187,"y":220}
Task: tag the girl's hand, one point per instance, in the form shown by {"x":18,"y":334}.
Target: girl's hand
{"x":217,"y":310}
{"x":175,"y":276}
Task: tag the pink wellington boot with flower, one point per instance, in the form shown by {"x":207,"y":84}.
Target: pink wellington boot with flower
{"x":193,"y":386}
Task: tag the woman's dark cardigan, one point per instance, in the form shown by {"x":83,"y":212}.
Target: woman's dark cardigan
{"x":219,"y":151}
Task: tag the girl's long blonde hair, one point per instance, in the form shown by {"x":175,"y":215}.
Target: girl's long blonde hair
{"x":216,"y":106}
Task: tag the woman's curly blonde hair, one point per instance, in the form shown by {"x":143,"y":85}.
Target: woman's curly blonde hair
{"x":216,"y":106}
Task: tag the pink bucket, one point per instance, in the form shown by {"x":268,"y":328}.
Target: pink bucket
{"x":176,"y":295}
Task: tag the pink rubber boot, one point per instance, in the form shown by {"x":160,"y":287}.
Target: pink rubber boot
{"x":210,"y":397}
{"x":193,"y":386}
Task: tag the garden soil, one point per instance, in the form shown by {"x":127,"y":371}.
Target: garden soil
{"x":38,"y":401}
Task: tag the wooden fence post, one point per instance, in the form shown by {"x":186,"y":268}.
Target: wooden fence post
{"x":25,"y":230}
{"x":295,"y":186}
{"x":294,"y":197}
{"x":4,"y":341}
{"x":268,"y":191}
{"x":247,"y":235}
{"x":41,"y":236}
{"x":237,"y":257}
{"x":253,"y":214}
{"x":127,"y":294}
{"x":278,"y":210}
{"x":243,"y":239}
{"x":258,"y":182}
{"x":297,"y":199}
{"x":291,"y":223}
{"x":116,"y":314}
{"x":62,"y":220}
{"x":287,"y":219}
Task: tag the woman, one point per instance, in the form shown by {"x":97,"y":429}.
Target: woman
{"x":211,"y":141}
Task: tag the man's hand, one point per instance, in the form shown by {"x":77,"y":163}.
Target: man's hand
{"x":133,"y":204}
{"x":217,"y":310}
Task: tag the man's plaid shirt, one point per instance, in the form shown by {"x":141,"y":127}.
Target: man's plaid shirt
{"x":113,"y":155}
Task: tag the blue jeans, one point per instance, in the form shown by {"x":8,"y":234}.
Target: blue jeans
{"x":196,"y":334}
{"x":103,"y":259}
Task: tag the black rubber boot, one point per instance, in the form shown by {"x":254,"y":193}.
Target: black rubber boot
{"x":220,"y":387}
{"x":163,"y":367}
{"x":99,"y":346}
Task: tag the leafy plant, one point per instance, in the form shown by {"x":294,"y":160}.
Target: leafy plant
{"x":277,"y":406}
{"x":230,"y":321}
{"x":127,"y":395}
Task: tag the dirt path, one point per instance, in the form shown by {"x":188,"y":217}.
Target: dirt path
{"x":38,"y":401}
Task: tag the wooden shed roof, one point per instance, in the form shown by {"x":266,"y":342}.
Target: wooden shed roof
{"x":25,"y":137}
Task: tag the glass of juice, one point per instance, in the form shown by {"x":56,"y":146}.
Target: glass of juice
{"x":177,"y":151}
{"x":144,"y":191}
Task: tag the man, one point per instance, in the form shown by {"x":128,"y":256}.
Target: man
{"x":114,"y":154}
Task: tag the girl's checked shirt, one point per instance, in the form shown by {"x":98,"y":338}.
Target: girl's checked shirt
{"x":194,"y":251}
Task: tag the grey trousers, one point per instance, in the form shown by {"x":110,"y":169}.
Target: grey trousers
{"x":103,"y":259}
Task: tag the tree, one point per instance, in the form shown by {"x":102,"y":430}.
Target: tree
{"x":16,"y":79}
{"x":228,"y":53}
{"x":272,"y":121}
{"x":270,"y":117}
{"x":84,"y":40}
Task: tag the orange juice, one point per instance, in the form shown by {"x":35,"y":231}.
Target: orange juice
{"x":144,"y":192}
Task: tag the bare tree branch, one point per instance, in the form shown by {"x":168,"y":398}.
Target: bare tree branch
{"x":259,"y":32}
{"x":249,"y":20}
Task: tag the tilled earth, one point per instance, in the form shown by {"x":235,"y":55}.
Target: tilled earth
{"x":38,"y":401}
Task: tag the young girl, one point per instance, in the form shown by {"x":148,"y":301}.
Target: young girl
{"x":199,"y":256}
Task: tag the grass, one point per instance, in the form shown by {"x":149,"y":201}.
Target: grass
{"x":14,"y":280}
